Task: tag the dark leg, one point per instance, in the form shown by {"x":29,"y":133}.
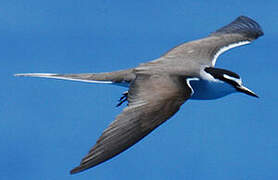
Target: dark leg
{"x":122,"y":99}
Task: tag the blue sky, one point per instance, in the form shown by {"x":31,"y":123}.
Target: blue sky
{"x":47,"y":126}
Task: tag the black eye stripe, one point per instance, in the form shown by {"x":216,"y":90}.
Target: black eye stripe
{"x":219,"y":74}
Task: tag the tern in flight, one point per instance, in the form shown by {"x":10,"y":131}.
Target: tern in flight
{"x":157,"y":89}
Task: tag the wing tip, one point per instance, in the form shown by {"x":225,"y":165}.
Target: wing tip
{"x":81,"y":167}
{"x":77,"y":170}
{"x":242,"y":25}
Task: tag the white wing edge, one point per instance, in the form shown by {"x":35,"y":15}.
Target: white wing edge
{"x":226,"y":48}
{"x":56,"y":76}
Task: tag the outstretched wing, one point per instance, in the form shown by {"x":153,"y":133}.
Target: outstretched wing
{"x":241,"y":31}
{"x":152,"y":100}
{"x":122,"y":77}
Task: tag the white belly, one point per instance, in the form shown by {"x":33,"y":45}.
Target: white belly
{"x":205,"y":90}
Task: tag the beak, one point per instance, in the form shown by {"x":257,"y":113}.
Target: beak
{"x":247,"y":91}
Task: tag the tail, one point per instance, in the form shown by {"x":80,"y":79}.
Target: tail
{"x":122,"y":77}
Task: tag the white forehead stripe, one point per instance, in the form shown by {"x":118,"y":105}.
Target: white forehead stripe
{"x":239,"y":81}
{"x":226,"y":48}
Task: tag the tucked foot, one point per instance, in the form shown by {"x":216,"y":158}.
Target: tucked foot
{"x":122,"y":99}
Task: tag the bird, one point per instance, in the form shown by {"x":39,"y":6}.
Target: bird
{"x":158,"y":88}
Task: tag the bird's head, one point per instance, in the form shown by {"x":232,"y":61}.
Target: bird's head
{"x":231,"y":78}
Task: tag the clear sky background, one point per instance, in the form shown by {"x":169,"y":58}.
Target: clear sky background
{"x":47,"y":126}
